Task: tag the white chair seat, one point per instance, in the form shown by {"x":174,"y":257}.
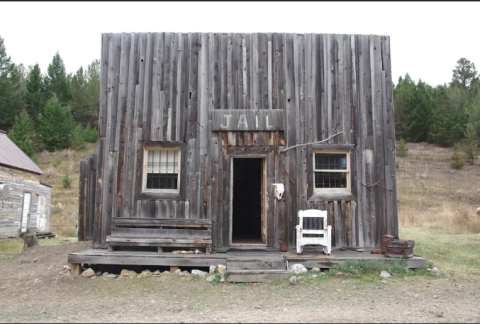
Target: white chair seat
{"x":312,"y":229}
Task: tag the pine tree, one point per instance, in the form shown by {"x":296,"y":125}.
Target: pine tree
{"x":56,"y":125}
{"x":23,"y":133}
{"x":79,"y":99}
{"x":417,"y":113}
{"x":465,"y":74}
{"x":403,"y":93}
{"x":58,"y":82}
{"x":473,"y":113}
{"x":93,"y":91}
{"x":443,"y":129}
{"x":35,"y":92}
{"x":11,"y":101}
{"x":469,"y":145}
{"x":79,"y":137}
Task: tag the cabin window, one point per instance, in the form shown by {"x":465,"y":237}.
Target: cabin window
{"x":331,"y":171}
{"x":162,"y":170}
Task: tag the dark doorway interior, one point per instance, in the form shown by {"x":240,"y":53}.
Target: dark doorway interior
{"x":247,"y":201}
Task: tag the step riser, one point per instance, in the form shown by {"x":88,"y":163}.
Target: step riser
{"x":256,"y":265}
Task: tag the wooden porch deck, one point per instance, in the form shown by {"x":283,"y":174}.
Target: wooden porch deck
{"x":317,"y":260}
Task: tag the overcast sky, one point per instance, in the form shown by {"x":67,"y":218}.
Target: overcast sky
{"x":426,"y":38}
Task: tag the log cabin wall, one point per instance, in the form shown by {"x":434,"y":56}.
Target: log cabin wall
{"x":19,"y":183}
{"x":165,"y":87}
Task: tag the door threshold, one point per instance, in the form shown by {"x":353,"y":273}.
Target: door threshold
{"x":242,"y":246}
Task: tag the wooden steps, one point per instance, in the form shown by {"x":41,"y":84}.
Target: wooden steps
{"x":256,"y":267}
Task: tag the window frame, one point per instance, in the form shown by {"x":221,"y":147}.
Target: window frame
{"x":321,"y":191}
{"x":145,"y":172}
{"x":142,"y":161}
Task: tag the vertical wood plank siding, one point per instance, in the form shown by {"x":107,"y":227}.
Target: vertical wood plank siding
{"x":86,"y":211}
{"x":160,"y":87}
{"x":19,"y":182}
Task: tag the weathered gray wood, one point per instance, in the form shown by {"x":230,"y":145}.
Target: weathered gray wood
{"x":81,"y":201}
{"x":136,"y":241}
{"x":102,"y":114}
{"x":156,"y":87}
{"x":146,"y":259}
{"x":202,"y":126}
{"x":163,"y":233}
{"x":172,"y":222}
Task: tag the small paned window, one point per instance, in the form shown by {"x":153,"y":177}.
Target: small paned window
{"x":162,"y":170}
{"x":331,"y":171}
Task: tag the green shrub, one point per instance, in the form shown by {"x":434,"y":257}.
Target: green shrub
{"x":91,"y":134}
{"x":397,"y":165}
{"x":67,"y":181}
{"x":457,"y":160}
{"x":402,"y":149}
{"x":78,"y":138}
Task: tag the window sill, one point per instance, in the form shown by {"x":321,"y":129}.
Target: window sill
{"x":163,"y":195}
{"x":332,"y":196}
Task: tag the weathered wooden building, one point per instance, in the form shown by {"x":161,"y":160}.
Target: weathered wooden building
{"x":26,"y":208}
{"x":195,"y":129}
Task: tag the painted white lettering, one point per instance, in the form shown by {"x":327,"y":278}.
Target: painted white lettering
{"x":267,"y":124}
{"x":227,"y":119}
{"x":243,"y":120}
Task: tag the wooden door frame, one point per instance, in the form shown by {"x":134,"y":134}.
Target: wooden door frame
{"x":262,"y":156}
{"x":29,"y":213}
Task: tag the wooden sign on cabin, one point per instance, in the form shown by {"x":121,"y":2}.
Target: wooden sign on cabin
{"x":247,"y":120}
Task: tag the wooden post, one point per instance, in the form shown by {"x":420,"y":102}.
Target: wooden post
{"x":29,"y":241}
{"x":75,"y":269}
{"x":173,"y":269}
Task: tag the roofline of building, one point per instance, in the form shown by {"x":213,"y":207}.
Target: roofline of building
{"x":46,"y":185}
{"x":25,"y":170}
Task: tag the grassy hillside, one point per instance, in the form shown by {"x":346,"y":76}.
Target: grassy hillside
{"x":437,"y":208}
{"x":64,"y":209}
{"x":430,"y":192}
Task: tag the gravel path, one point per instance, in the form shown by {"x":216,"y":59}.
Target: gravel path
{"x":42,"y":291}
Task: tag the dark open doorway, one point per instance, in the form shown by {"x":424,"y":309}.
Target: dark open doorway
{"x":247,"y":201}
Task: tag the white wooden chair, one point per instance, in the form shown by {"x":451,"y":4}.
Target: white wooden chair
{"x":313,"y":230}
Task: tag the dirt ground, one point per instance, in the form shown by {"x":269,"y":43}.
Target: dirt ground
{"x":34,"y":288}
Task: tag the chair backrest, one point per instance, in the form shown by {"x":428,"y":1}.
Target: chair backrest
{"x":313,"y":219}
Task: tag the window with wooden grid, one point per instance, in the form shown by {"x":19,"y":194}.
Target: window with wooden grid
{"x":162,"y":169}
{"x":331,"y":171}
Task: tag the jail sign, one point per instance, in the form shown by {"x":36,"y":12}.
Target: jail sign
{"x":247,"y":120}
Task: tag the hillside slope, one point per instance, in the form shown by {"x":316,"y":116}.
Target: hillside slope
{"x":429,"y":191}
{"x":64,"y":201}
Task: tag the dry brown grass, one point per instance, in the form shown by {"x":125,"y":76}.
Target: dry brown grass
{"x":430,"y":193}
{"x":64,"y":206}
